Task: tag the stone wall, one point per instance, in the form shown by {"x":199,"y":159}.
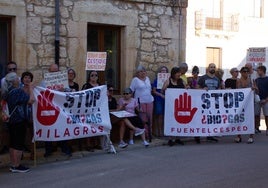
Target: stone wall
{"x":149,"y":33}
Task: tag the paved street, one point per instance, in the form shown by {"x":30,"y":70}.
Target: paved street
{"x":223,"y":164}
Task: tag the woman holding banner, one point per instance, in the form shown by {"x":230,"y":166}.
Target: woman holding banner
{"x":92,"y":142}
{"x":244,"y":82}
{"x":193,"y":83}
{"x":174,"y":82}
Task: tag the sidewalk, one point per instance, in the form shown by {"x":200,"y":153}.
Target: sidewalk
{"x":59,"y":156}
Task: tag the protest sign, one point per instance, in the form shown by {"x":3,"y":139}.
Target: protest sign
{"x":56,"y":80}
{"x":256,"y":55}
{"x":208,"y":113}
{"x":161,"y":78}
{"x":96,"y":61}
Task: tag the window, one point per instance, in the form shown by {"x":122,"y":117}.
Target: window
{"x":256,"y":8}
{"x":214,"y":13}
{"x":214,"y":56}
{"x":213,"y":8}
{"x":5,"y":43}
{"x":102,"y":38}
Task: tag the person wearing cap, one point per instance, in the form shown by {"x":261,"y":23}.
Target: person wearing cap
{"x":136,"y":125}
{"x":244,"y":82}
{"x":142,"y":89}
{"x":230,"y":83}
{"x":17,"y":100}
{"x":174,"y":82}
{"x":159,"y":105}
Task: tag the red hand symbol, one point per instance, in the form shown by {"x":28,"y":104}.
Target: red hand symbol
{"x":182,"y":109}
{"x":47,"y":113}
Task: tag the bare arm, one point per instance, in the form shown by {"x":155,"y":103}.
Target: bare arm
{"x":31,"y":88}
{"x":155,"y":92}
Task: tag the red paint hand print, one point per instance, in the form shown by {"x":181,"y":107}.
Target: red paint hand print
{"x":183,"y":110}
{"x":47,"y":112}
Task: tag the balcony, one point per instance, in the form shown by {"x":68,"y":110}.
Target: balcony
{"x":224,"y":26}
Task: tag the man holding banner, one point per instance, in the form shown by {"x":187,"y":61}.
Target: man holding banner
{"x":209,"y":81}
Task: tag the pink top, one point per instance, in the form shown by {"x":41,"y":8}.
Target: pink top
{"x":131,"y":104}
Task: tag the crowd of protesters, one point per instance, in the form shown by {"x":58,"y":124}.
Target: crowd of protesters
{"x":142,"y":98}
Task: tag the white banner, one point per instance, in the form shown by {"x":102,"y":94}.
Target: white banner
{"x":70,"y":115}
{"x":195,"y":112}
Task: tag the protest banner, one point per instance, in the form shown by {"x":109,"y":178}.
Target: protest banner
{"x":70,"y":115}
{"x":161,"y":78}
{"x":56,"y":80}
{"x":96,"y":61}
{"x":208,"y":113}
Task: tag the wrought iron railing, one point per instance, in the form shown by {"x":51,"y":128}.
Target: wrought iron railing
{"x":228,"y":23}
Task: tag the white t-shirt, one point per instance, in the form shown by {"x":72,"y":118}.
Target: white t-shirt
{"x":142,"y":89}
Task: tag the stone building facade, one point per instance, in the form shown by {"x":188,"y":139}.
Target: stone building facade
{"x":149,"y":34}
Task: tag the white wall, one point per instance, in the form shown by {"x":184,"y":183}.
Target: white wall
{"x":252,"y":33}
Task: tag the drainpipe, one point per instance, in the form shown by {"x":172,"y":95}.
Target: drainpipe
{"x":180,"y":34}
{"x":57,"y":31}
{"x":180,"y":4}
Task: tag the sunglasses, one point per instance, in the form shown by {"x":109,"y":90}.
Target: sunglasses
{"x":12,"y":69}
{"x":246,"y":71}
{"x":126,"y":93}
{"x":111,"y":90}
{"x":93,"y":75}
